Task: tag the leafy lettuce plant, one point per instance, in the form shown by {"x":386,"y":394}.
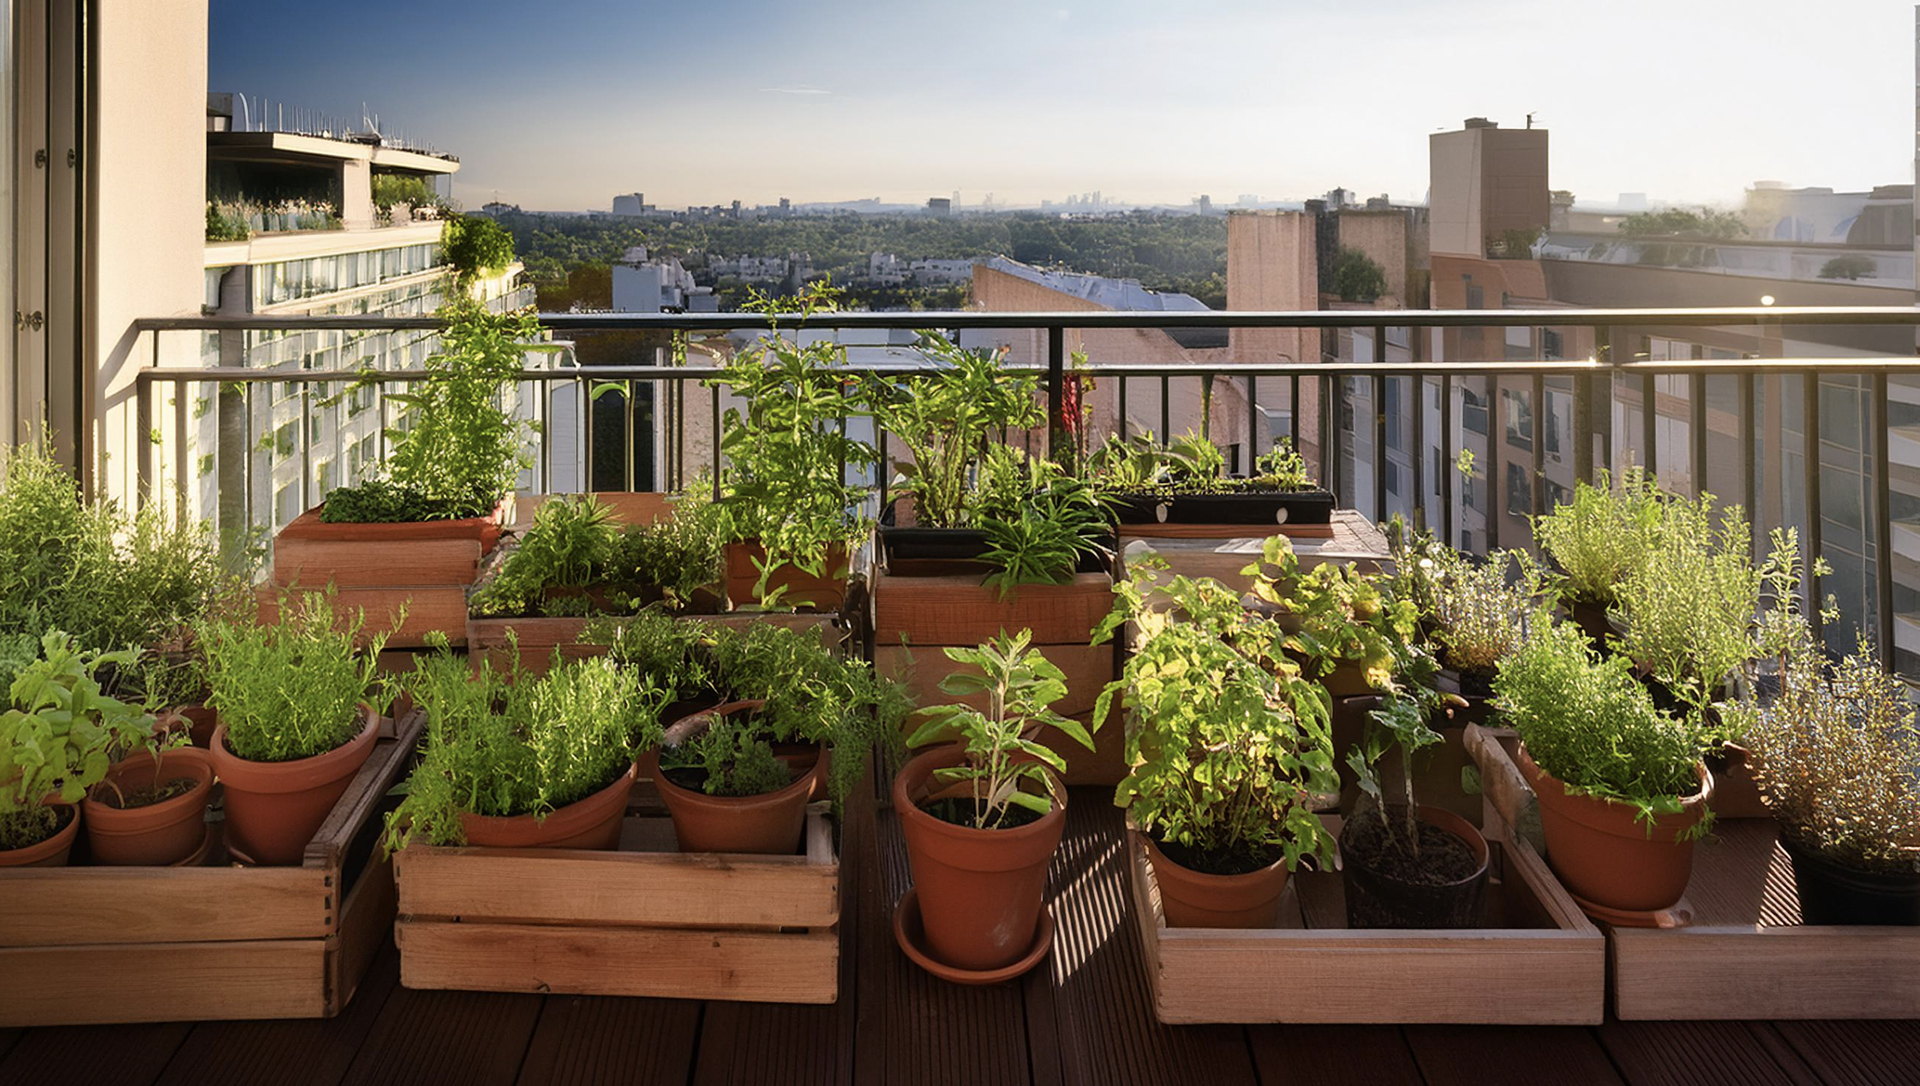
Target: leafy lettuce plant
{"x":1004,"y":769}
{"x":291,"y":689}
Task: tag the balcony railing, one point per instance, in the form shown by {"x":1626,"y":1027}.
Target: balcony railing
{"x":1385,"y":430}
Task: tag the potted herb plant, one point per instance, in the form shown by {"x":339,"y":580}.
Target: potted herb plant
{"x":513,"y":760}
{"x":1598,"y":539}
{"x":1839,"y":758}
{"x":295,"y":720}
{"x":791,"y":717}
{"x":983,"y":816}
{"x":1187,"y":483}
{"x":793,"y":520}
{"x":1404,"y":864}
{"x":1213,"y":696}
{"x":1623,"y":791}
{"x":1338,"y":621}
{"x":58,"y":739}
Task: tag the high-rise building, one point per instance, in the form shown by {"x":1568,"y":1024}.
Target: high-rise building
{"x":630,"y":203}
{"x":1486,"y":181}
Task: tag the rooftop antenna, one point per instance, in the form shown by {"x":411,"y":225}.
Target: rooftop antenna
{"x":1530,"y":121}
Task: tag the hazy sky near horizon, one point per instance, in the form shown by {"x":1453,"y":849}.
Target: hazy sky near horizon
{"x":560,"y":105}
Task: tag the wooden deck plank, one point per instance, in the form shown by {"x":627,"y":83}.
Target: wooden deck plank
{"x":1699,"y":1054}
{"x":582,"y":1040}
{"x":1333,"y":1056}
{"x":117,"y":1055}
{"x":307,"y":1052}
{"x":1510,"y":1055}
{"x":1103,"y":1005}
{"x":1857,"y":1053}
{"x":447,"y":1039}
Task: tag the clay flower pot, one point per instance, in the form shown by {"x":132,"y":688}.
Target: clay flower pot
{"x":275,"y":808}
{"x":1382,"y":899}
{"x":980,"y":892}
{"x":593,"y":822}
{"x":1196,"y":899}
{"x":1833,"y":893}
{"x":771,"y":823}
{"x":158,"y":834}
{"x":196,"y":721}
{"x":1604,"y":851}
{"x":51,"y":852}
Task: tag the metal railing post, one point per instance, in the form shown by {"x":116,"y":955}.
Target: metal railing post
{"x":1445,"y":466}
{"x":1810,"y":454}
{"x":1379,"y":425}
{"x":143,"y":420}
{"x":1059,"y":428}
{"x":1882,"y":521}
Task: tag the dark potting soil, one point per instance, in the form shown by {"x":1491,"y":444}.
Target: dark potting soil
{"x":30,"y":826}
{"x":1444,"y":859}
{"x":145,"y":797}
{"x":1238,"y":860}
{"x":959,"y":811}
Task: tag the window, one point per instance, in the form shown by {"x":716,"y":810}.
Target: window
{"x":1473,"y":412}
{"x":1519,"y":494}
{"x":286,"y":503}
{"x":1519,"y":411}
{"x":1553,"y":345}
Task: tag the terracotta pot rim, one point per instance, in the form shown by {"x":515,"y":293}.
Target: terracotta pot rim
{"x":1444,"y":819}
{"x":920,"y":769}
{"x":561,"y":822}
{"x":1600,"y":813}
{"x":805,"y":782}
{"x":104,"y":818}
{"x":58,"y":843}
{"x":300,"y":774}
{"x":1208,"y":878}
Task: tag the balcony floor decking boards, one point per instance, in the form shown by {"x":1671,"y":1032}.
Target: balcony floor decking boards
{"x":1084,"y":1017}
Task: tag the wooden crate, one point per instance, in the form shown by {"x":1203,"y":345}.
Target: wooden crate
{"x":84,"y":945}
{"x":538,"y":637}
{"x":629,"y":506}
{"x":645,"y":920}
{"x":379,"y":569}
{"x":1538,"y":962}
{"x":1224,"y":553}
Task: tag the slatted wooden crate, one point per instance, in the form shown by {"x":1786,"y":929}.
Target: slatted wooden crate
{"x":1536,"y":961}
{"x":644,"y":920}
{"x":1734,"y":946}
{"x":1222,"y":552}
{"x":915,"y":618}
{"x":83,"y":945}
{"x":536,"y":638}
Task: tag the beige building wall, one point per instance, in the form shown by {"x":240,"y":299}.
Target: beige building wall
{"x":1273,"y":265}
{"x":1484,"y":181}
{"x":1382,"y":235}
{"x":148,"y":225}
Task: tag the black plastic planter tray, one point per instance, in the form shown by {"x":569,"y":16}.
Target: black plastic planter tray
{"x":1268,"y":509}
{"x":958,"y":545}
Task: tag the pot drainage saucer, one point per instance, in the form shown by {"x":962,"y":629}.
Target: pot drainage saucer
{"x":1677,"y":915}
{"x":912,"y":939}
{"x":199,"y":855}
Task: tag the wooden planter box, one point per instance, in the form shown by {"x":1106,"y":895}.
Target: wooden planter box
{"x":1537,"y":962}
{"x":538,"y":637}
{"x":629,"y":506}
{"x":1221,"y":552}
{"x":84,"y":945}
{"x":917,"y":617}
{"x":1734,"y":947}
{"x":377,"y":568}
{"x":821,"y":594}
{"x":641,"y":921}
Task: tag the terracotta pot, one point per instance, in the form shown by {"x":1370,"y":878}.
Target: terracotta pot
{"x":199,"y":722}
{"x":1196,"y":899}
{"x":770,"y":823}
{"x":822,"y":594}
{"x":51,"y":852}
{"x":981,"y":892}
{"x":486,"y":530}
{"x":1376,"y":899}
{"x":593,"y":822}
{"x":159,"y":834}
{"x":1605,"y":853}
{"x":274,"y":808}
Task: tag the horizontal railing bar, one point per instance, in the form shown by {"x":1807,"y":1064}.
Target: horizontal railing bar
{"x":1769,"y":316}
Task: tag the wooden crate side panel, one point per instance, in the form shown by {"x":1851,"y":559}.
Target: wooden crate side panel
{"x":1504,"y":787}
{"x":365,"y":922}
{"x":1766,"y":973}
{"x":311,"y":563}
{"x":428,"y":608}
{"x":80,"y":906}
{"x":959,"y":611}
{"x":618,"y":888}
{"x":629,"y":506}
{"x":383,"y":770}
{"x":163,"y":982}
{"x":762,"y":967}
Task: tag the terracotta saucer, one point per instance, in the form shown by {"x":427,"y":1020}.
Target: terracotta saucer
{"x":1677,"y":915}
{"x":909,"y":934}
{"x":199,"y":855}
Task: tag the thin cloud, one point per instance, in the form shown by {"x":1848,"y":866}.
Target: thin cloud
{"x":801,"y":89}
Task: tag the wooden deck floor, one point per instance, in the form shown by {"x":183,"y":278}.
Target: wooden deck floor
{"x":1085,"y":1018}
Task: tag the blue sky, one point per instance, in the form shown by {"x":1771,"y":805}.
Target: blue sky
{"x":562,"y":104}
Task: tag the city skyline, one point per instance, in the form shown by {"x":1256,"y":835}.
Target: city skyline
{"x":747,"y":100}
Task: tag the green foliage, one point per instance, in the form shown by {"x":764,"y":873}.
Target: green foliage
{"x":1282,"y":468}
{"x":1039,"y":521}
{"x":1190,"y":465}
{"x":290,"y":689}
{"x":60,"y":734}
{"x":1003,"y":768}
{"x":475,"y":246}
{"x":1593,"y":726}
{"x":1336,"y":614}
{"x":1227,"y":739}
{"x":1479,"y":610}
{"x":1357,"y":277}
{"x":678,"y":556}
{"x":382,"y":501}
{"x":1400,"y":722}
{"x":1838,"y":759}
{"x":508,"y":743}
{"x":733,"y":755}
{"x":1851,"y":266}
{"x":110,"y":580}
{"x":405,"y":188}
{"x":786,"y":449}
{"x":1605,"y":533}
{"x":569,"y":544}
{"x":227,"y":222}
{"x":946,"y":417}
{"x":1705,"y":224}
